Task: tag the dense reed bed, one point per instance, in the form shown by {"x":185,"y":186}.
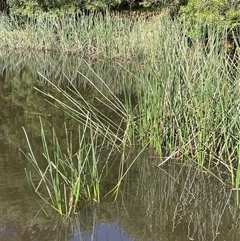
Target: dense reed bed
{"x":96,"y":35}
{"x":184,"y":101}
{"x":64,"y":180}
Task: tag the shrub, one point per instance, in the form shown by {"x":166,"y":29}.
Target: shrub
{"x":224,"y":13}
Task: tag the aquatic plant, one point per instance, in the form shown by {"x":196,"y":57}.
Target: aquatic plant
{"x":108,"y":35}
{"x":186,"y":107}
{"x":65,"y":180}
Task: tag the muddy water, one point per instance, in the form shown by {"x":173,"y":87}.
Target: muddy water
{"x":174,"y":202}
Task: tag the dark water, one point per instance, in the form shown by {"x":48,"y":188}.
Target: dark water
{"x":174,"y":202}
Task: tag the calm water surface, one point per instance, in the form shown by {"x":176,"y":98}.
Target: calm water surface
{"x":174,"y":202}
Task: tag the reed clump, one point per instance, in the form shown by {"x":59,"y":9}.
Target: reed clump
{"x":108,"y":35}
{"x":186,"y":100}
{"x":65,"y":179}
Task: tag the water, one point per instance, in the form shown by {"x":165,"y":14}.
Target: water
{"x":173,"y":202}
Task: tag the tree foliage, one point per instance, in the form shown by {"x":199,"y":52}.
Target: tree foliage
{"x":30,"y":6}
{"x":221,"y":12}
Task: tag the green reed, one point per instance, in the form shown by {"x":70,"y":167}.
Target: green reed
{"x":65,"y":179}
{"x":76,"y":177}
{"x":186,"y":102}
{"x":108,"y":35}
{"x":78,"y":108}
{"x":186,"y":105}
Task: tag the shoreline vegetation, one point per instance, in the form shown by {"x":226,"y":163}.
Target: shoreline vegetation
{"x":108,"y":35}
{"x":186,"y":101}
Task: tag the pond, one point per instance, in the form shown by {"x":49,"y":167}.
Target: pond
{"x":174,"y":201}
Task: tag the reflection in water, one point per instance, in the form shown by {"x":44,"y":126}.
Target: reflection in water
{"x":176,"y":202}
{"x":103,"y":231}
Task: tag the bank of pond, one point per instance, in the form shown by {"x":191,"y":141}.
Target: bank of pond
{"x":113,"y":97}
